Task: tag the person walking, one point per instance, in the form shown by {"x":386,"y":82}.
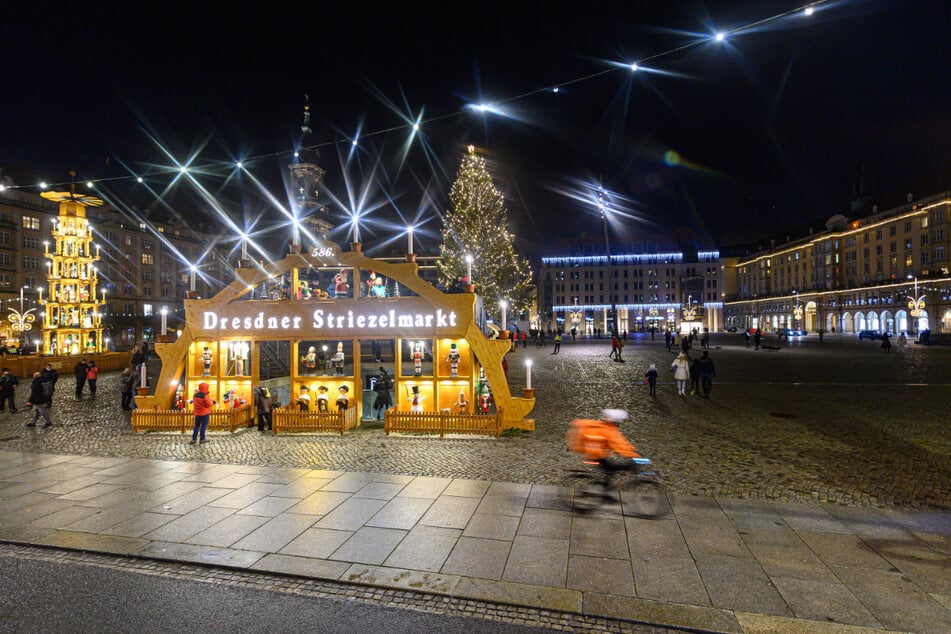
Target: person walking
{"x":7,"y":392}
{"x":384,"y":399}
{"x":705,"y":339}
{"x":262,"y":405}
{"x":50,"y":376}
{"x":557,"y":343}
{"x":613,"y":348}
{"x":79,"y":371}
{"x":757,"y":338}
{"x":202,"y":404}
{"x":651,"y":378}
{"x":886,"y":343}
{"x":40,"y":400}
{"x":681,"y":369}
{"x":902,"y":340}
{"x":524,"y":338}
{"x":127,"y":388}
{"x":92,"y":374}
{"x":694,"y":376}
{"x":620,"y":349}
{"x":707,"y":371}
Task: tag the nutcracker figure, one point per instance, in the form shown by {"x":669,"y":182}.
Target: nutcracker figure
{"x":462,"y":403}
{"x":416,"y":400}
{"x":418,"y":358}
{"x":322,"y":399}
{"x":453,"y":360}
{"x":239,"y":354}
{"x":343,"y":398}
{"x":206,"y":358}
{"x":179,"y":397}
{"x":303,"y":399}
{"x":485,"y":399}
{"x":339,"y":360}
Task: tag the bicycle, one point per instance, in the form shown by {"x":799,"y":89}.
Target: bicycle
{"x":637,"y":487}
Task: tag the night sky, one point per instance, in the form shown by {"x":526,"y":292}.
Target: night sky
{"x":737,"y":140}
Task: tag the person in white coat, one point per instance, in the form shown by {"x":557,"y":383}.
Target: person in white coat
{"x":681,"y":368}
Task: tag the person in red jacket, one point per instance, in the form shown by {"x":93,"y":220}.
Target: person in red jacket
{"x":202,"y":403}
{"x":92,"y":373}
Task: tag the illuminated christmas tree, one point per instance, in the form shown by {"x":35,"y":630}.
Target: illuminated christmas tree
{"x":476,"y":226}
{"x":72,"y":324}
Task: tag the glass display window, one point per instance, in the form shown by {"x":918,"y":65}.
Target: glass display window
{"x":454,"y":358}
{"x":238,"y":358}
{"x":416,"y":357}
{"x":455,"y":398}
{"x":316,"y":283}
{"x":204,"y":359}
{"x":375,"y":285}
{"x":415,"y":396}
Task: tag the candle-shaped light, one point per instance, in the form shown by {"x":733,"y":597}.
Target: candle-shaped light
{"x":164,"y":320}
{"x":244,"y":246}
{"x":46,"y":244}
{"x":468,"y":269}
{"x":40,"y":291}
{"x":97,"y":250}
{"x":528,"y":374}
{"x":409,"y":231}
{"x":192,"y":279}
{"x":143,"y":380}
{"x":504,"y":304}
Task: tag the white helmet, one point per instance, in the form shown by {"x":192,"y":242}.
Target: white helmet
{"x":614,"y":415}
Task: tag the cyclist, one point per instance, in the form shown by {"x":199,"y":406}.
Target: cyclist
{"x":600,"y":442}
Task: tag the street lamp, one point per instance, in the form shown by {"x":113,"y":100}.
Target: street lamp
{"x":916,"y":304}
{"x":607,"y":251}
{"x":21,"y":321}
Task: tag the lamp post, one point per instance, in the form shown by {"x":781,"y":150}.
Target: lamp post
{"x":612,"y":316}
{"x":916,"y":304}
{"x":21,"y":321}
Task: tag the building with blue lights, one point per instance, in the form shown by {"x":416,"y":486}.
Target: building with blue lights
{"x":662,"y":281}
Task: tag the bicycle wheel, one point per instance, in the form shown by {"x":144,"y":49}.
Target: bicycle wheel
{"x":644,"y":498}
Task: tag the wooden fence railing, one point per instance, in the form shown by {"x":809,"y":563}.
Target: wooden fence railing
{"x":184,"y":420}
{"x":442,"y":423}
{"x":289,"y":419}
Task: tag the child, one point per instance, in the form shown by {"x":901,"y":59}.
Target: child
{"x":651,"y":375}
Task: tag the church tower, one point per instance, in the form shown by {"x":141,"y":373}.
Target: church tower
{"x":305,"y":179}
{"x":72,"y":323}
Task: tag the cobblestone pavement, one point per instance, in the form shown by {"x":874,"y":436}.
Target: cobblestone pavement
{"x":839,"y":421}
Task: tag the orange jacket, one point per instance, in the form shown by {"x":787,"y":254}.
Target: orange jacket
{"x":596,"y":439}
{"x":92,"y":373}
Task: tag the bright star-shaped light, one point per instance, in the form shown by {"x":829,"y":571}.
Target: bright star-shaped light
{"x":720,"y":37}
{"x":634,"y":67}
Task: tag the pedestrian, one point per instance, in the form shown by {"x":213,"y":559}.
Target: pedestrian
{"x":746,"y":335}
{"x":92,"y":373}
{"x":613,"y":354}
{"x":138,"y":358}
{"x":79,"y":371}
{"x":50,"y":376}
{"x":707,"y":371}
{"x":40,"y":401}
{"x":651,"y":379}
{"x":681,"y":369}
{"x":705,"y":339}
{"x":384,"y":399}
{"x":7,"y":384}
{"x":127,"y":388}
{"x":822,"y":332}
{"x":902,"y":340}
{"x":620,"y":349}
{"x":557,"y":342}
{"x":202,"y":403}
{"x":886,"y":343}
{"x":757,"y":337}
{"x":524,"y":337}
{"x":694,"y":376}
{"x":667,"y":339}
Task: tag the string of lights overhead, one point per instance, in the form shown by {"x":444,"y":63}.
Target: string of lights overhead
{"x":647,"y":63}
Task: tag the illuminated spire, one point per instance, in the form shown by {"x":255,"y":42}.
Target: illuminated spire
{"x":304,"y":183}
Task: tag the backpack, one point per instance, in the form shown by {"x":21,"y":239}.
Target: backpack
{"x":47,"y":388}
{"x":265,"y":392}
